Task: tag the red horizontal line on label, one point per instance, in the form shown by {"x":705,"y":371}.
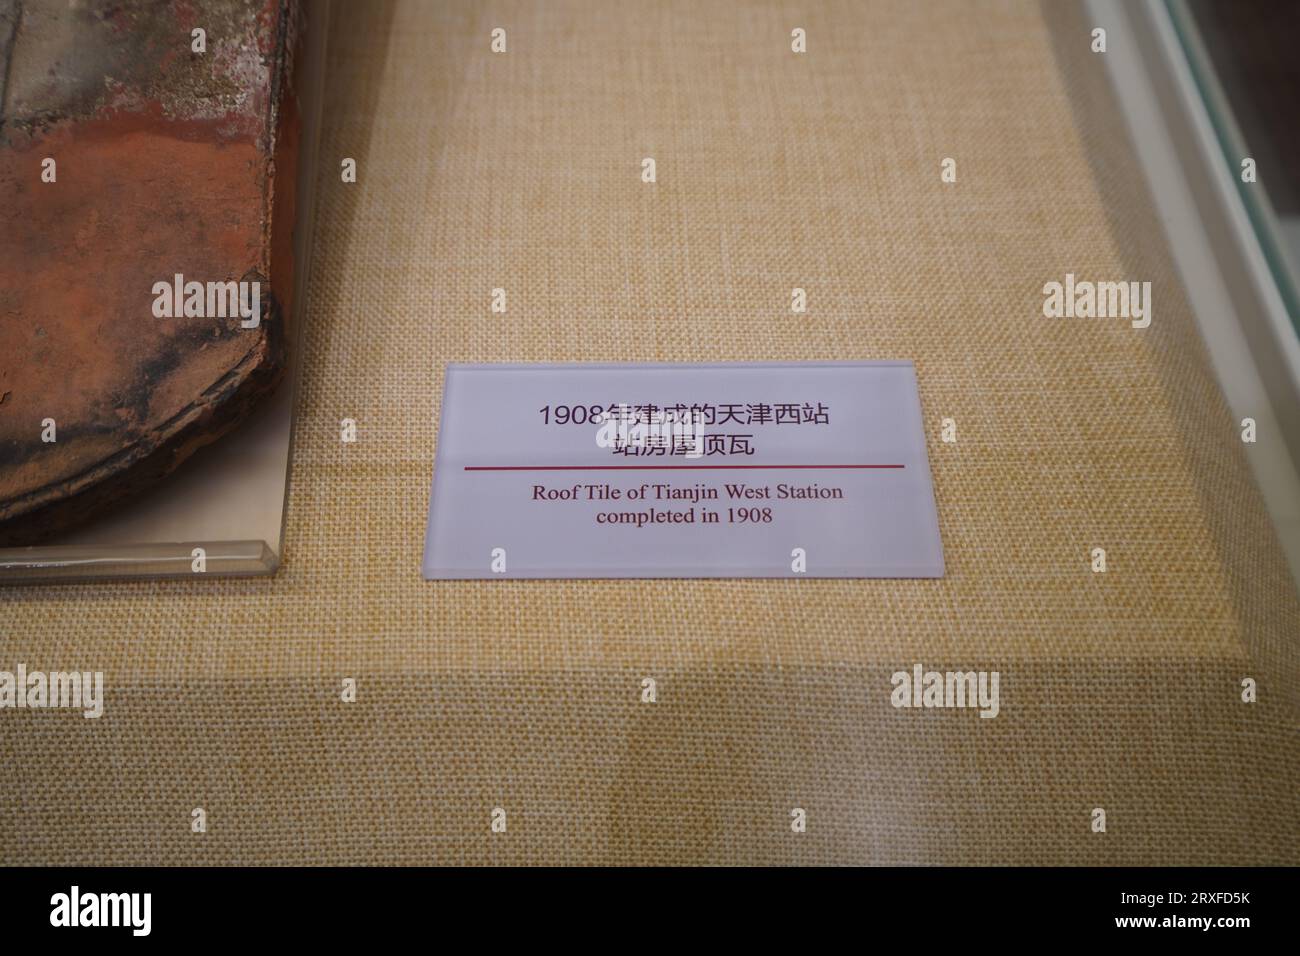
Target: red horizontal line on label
{"x":655,"y":467}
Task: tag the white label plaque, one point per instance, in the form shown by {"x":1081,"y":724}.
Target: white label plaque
{"x":691,"y":471}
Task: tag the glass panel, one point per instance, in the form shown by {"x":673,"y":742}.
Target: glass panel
{"x":1242,"y":57}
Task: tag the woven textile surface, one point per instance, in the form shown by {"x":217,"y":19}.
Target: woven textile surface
{"x":775,"y":170}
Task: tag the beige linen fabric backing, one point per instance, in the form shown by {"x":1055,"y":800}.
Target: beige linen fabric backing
{"x":522,"y":171}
